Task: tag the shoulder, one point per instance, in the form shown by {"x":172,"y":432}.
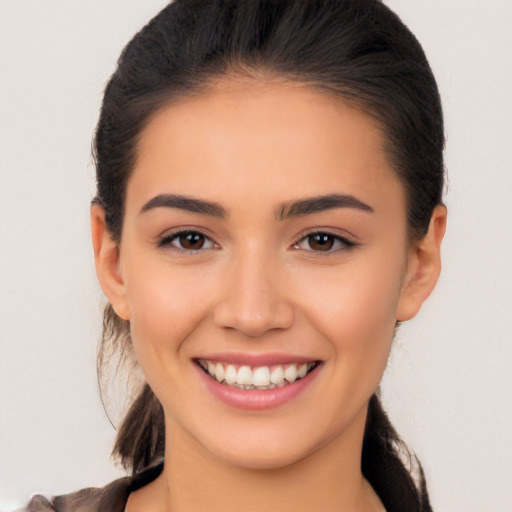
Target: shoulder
{"x":113,"y":497}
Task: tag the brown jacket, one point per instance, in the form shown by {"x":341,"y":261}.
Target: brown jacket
{"x":111,"y":498}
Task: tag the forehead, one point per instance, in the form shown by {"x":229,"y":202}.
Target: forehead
{"x":236,"y":136}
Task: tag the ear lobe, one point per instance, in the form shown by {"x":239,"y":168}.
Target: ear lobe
{"x":108,"y":267}
{"x":423,"y":267}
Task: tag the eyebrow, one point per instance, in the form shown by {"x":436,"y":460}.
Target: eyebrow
{"x":320,"y":204}
{"x":285,"y":211}
{"x":186,"y":203}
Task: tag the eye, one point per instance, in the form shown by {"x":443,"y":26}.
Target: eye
{"x":323,"y":242}
{"x":188,"y":241}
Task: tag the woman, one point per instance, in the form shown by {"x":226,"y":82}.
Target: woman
{"x":268,"y":210}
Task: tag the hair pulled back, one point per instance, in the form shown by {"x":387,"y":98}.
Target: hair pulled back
{"x":357,"y":50}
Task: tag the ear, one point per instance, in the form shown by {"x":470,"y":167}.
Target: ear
{"x":423,"y":267}
{"x":107,"y":261}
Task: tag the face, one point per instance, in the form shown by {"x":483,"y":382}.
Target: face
{"x":261,"y":267}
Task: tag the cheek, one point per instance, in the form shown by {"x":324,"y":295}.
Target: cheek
{"x":356,"y":299}
{"x":354,"y":309}
{"x":166,"y":305}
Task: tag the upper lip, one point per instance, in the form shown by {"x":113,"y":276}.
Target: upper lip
{"x":252,"y":359}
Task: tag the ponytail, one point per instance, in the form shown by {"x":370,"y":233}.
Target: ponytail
{"x":382,"y":465}
{"x":140,"y":440}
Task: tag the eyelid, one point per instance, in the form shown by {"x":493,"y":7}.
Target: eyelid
{"x":165,"y":239}
{"x":346,"y":241}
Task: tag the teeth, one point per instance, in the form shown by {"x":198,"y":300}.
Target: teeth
{"x":230,"y":376}
{"x":244,"y":376}
{"x":302,"y":370}
{"x":290,"y":374}
{"x":261,"y":377}
{"x":277,"y":376}
{"x":219,"y":372}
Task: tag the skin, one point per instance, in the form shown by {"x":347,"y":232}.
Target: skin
{"x":259,"y":284}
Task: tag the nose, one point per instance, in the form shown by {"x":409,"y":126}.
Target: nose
{"x":254,"y":300}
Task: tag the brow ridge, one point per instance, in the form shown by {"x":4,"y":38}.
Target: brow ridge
{"x":319,"y":204}
{"x":187,"y":203}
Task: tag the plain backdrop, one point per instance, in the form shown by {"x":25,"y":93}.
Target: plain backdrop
{"x":448,"y":387}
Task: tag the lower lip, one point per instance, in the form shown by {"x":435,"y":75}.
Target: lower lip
{"x":257,"y":399}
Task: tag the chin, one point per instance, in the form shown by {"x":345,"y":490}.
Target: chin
{"x":270,"y":446}
{"x":266,"y":459}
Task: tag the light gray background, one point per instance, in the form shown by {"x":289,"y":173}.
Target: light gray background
{"x":448,"y":387}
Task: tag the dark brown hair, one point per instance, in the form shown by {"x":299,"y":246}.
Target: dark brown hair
{"x":357,"y":50}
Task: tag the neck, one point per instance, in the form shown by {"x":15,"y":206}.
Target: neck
{"x":330,"y":478}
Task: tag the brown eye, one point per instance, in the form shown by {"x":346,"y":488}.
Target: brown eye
{"x":324,"y":242}
{"x":191,"y":241}
{"x":187,"y":242}
{"x":321,"y":241}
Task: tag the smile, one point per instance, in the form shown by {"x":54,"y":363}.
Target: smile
{"x":256,"y":377}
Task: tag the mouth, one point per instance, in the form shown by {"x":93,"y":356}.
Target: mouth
{"x":246,"y":377}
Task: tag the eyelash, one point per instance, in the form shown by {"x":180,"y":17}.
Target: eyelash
{"x":339,"y":243}
{"x":168,"y":240}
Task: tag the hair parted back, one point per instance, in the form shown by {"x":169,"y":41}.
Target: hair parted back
{"x":357,"y":50}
